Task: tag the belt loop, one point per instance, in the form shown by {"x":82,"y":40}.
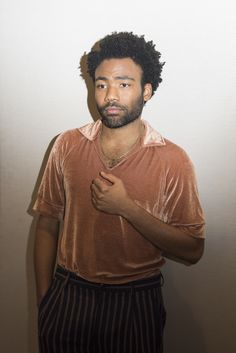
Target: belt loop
{"x":64,"y":284}
{"x":66,"y":280}
{"x":162,"y":280}
{"x":99,"y":295}
{"x":132,"y":300}
{"x":101,"y":286}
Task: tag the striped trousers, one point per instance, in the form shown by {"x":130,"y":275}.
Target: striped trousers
{"x":77,"y":316}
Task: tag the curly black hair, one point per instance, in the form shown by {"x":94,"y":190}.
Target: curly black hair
{"x":128,"y":45}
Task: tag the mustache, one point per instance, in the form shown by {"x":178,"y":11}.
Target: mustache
{"x":113,"y":105}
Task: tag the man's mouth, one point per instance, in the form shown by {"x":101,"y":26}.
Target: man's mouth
{"x":113,"y":110}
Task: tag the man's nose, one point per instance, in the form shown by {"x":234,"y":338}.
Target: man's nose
{"x":112,"y":95}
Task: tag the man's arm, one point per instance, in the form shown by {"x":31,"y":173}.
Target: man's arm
{"x":173,"y":242}
{"x":45,"y":252}
{"x":170,"y":240}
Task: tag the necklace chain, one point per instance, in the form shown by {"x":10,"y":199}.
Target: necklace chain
{"x":112,"y":161}
{"x":118,"y":158}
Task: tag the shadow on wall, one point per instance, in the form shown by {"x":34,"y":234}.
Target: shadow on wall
{"x":183,"y":332}
{"x":89,"y":84}
{"x":32,"y":309}
{"x":31,"y":291}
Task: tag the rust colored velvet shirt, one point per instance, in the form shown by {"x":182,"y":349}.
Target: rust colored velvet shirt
{"x":105,"y":248}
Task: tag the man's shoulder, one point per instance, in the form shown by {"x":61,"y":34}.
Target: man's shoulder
{"x":72,"y":139}
{"x":86,"y":131}
{"x":174,"y":150}
{"x":68,"y":134}
{"x":169,"y":150}
{"x":67,"y":138}
{"x":176,"y":158}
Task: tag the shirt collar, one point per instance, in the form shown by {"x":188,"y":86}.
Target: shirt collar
{"x":151,"y":136}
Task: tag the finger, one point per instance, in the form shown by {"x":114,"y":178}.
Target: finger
{"x":110,"y":177}
{"x":95,"y":192}
{"x":94,"y":202}
{"x":98,"y":184}
{"x":98,"y":192}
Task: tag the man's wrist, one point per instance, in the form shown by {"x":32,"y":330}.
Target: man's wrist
{"x":129,"y":209}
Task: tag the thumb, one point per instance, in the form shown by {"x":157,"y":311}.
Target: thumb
{"x":110,"y":177}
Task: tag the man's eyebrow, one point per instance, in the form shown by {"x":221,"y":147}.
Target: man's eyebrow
{"x":103,"y":78}
{"x":124,"y":78}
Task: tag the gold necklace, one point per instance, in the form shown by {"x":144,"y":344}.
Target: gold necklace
{"x":112,"y":161}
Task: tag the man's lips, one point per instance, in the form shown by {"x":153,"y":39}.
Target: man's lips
{"x":113,"y":110}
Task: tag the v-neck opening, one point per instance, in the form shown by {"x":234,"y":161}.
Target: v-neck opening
{"x":133,"y":151}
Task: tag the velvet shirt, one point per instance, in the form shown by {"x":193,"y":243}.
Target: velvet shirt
{"x":157,"y":174}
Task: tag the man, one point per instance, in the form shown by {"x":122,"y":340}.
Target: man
{"x":124,"y":197}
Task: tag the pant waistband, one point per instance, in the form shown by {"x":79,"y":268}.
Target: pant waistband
{"x":156,"y":281}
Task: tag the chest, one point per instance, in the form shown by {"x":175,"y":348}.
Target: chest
{"x":143,"y":175}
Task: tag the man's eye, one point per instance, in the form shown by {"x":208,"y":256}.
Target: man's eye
{"x":101,"y":86}
{"x":124,"y":85}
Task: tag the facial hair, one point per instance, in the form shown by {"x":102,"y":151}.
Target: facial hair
{"x":113,"y":121}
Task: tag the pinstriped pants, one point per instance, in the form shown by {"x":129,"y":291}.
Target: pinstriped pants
{"x":77,"y":316}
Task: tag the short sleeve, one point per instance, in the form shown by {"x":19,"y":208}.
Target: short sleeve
{"x":182,"y":206}
{"x":50,"y":198}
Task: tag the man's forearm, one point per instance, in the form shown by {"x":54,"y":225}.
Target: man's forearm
{"x":45,"y":252}
{"x":172,"y":241}
{"x":169,"y":239}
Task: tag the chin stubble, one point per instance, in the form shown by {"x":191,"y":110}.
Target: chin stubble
{"x":114,"y":121}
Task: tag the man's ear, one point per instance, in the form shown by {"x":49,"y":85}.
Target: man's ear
{"x":147,"y":92}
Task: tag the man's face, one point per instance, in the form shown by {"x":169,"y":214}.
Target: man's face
{"x":118,"y":92}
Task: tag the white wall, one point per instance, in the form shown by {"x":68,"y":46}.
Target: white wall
{"x":42,"y":94}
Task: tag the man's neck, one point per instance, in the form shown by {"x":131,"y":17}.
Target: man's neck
{"x":117,"y":143}
{"x":127,"y":134}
